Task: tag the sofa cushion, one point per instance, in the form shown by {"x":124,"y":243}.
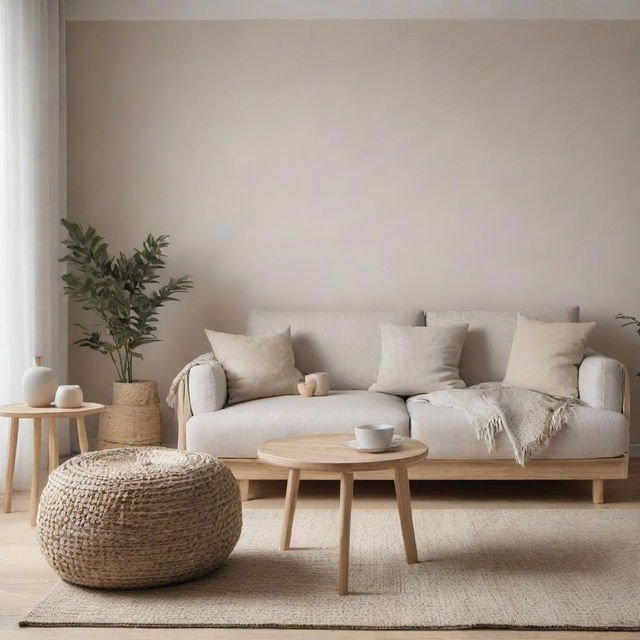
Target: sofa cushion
{"x":545,"y":356}
{"x":419,"y":359}
{"x":344,"y":343}
{"x":256,"y":366}
{"x":486,"y":349}
{"x":595,"y":433}
{"x":237,"y":431}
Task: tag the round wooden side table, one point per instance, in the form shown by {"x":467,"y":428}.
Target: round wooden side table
{"x":331,"y":453}
{"x":21,"y":410}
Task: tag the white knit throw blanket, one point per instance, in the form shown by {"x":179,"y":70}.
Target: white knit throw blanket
{"x":172,"y":397}
{"x":528,"y":418}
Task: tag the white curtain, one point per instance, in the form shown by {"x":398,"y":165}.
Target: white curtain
{"x":33,"y":317}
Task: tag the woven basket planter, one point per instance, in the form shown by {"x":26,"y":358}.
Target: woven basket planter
{"x":134,"y":417}
{"x":138,"y":517}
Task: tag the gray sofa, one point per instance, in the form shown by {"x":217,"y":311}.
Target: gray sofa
{"x":347,"y":345}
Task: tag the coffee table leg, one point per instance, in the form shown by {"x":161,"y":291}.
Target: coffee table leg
{"x":11,"y":465}
{"x":289,"y":508}
{"x":53,"y":445}
{"x":82,"y":434}
{"x":403,"y":496}
{"x":35,"y":469}
{"x":346,"y":499}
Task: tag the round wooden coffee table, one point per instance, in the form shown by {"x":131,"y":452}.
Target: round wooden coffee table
{"x":37,"y":414}
{"x":331,"y":453}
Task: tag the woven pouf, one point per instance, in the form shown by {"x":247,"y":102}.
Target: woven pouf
{"x":138,"y":517}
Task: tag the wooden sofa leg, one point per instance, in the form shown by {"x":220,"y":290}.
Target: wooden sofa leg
{"x":247,"y":490}
{"x":598,"y":491}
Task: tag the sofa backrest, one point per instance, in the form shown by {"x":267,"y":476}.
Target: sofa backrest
{"x":488,"y":343}
{"x":344,"y":343}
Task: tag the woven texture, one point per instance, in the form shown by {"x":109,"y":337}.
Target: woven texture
{"x":138,"y":517}
{"x":142,"y":393}
{"x":134,"y":417}
{"x":513,"y":568}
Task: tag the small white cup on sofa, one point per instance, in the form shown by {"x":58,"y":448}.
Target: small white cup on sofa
{"x":322,"y":382}
{"x":374,"y":436}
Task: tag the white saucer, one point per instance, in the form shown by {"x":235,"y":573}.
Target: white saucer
{"x":395,"y":442}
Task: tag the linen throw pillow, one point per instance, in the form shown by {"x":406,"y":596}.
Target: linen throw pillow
{"x":256,"y":366}
{"x":419,"y":359}
{"x":545,"y":356}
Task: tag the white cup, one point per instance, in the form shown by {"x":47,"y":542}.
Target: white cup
{"x":322,"y":382}
{"x":374,"y":436}
{"x":68,"y":396}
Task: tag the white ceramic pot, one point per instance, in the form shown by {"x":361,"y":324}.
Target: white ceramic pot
{"x":39,"y":385}
{"x":69,"y":396}
{"x":321,"y":379}
{"x":307,"y":388}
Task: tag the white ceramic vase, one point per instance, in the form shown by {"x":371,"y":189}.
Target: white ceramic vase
{"x":69,"y":396}
{"x":39,"y":385}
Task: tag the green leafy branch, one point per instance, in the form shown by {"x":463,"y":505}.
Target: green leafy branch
{"x":115,"y":288}
{"x":629,"y":321}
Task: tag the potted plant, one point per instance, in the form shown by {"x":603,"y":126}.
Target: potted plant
{"x":125,"y":294}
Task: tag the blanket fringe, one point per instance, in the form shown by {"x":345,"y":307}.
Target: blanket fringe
{"x":487,"y":431}
{"x":528,"y":418}
{"x":559,"y":418}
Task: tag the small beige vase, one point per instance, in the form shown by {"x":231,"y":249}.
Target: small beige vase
{"x":134,"y":417}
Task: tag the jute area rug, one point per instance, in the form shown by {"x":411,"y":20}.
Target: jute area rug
{"x":559,"y":569}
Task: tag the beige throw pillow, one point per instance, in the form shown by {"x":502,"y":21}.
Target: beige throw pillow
{"x":545,"y":356}
{"x":419,"y":359}
{"x":256,"y":366}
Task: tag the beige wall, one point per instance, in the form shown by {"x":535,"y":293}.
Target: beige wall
{"x":361,"y":164}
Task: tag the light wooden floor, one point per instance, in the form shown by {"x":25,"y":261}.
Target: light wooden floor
{"x":25,"y":577}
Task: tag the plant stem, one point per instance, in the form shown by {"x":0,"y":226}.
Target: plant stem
{"x":115,"y":364}
{"x":128,"y":363}
{"x":121,"y":370}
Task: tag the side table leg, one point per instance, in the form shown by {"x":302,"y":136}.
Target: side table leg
{"x":403,"y":496}
{"x":346,"y":499}
{"x":54,"y":457}
{"x":82,"y":434}
{"x":289,"y":508}
{"x":35,"y":469}
{"x":11,"y":464}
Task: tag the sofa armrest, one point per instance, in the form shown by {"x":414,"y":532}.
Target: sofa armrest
{"x":207,"y":387}
{"x":601,"y":383}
